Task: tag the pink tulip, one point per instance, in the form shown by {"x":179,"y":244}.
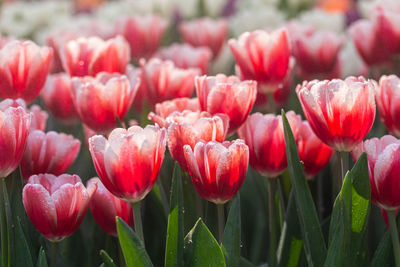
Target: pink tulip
{"x":387,"y":99}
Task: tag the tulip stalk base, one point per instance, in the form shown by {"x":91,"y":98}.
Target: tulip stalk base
{"x":343,"y":164}
{"x":395,"y":236}
{"x":221,"y":221}
{"x":54,"y":251}
{"x":272,"y":216}
{"x":3,"y":225}
{"x":138,"y":220}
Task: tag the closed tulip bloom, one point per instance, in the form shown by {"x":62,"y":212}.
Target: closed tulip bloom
{"x":217,"y":169}
{"x":128,"y":163}
{"x":228,"y":95}
{"x":340,"y":112}
{"x":388,"y":102}
{"x":205,"y":32}
{"x":101,"y":100}
{"x":143,"y":33}
{"x":188,"y":128}
{"x":56,"y":205}
{"x":161,"y":81}
{"x":314,"y":154}
{"x":166,"y":108}
{"x":23,"y":69}
{"x":104,"y":207}
{"x":265,"y":137}
{"x":48,"y":153}
{"x":383,"y":161}
{"x":388,"y":24}
{"x":92,"y":55}
{"x":133,"y":73}
{"x":263,"y":57}
{"x":186,"y":56}
{"x":368,"y":42}
{"x":56,"y":95}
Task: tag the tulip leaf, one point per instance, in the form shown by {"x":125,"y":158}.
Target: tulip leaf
{"x":21,"y":254}
{"x":245,"y":263}
{"x":132,"y":248}
{"x":175,"y":234}
{"x":349,"y":218}
{"x":314,"y":244}
{"x":41,"y":261}
{"x":201,"y":248}
{"x":291,"y":243}
{"x":383,"y":252}
{"x":108,"y":262}
{"x":232,"y":236}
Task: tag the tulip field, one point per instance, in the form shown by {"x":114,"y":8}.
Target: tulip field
{"x":199,"y":133}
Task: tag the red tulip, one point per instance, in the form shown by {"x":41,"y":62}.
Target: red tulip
{"x":340,"y":112}
{"x":388,"y":26}
{"x":314,"y":154}
{"x":133,"y":73}
{"x":39,"y":118}
{"x":56,"y":205}
{"x":189,"y":127}
{"x":90,"y":56}
{"x":384,"y":166}
{"x":143,"y":33}
{"x":265,"y":137}
{"x":166,"y":108}
{"x":388,"y":101}
{"x":100,"y":101}
{"x":48,"y":153}
{"x":186,"y":56}
{"x":23,"y":69}
{"x":161,"y":81}
{"x":104,"y":207}
{"x":228,"y":95}
{"x":56,"y":94}
{"x":368,"y":42}
{"x":205,"y":32}
{"x":217,"y":169}
{"x":128,"y":162}
{"x":263,"y":57}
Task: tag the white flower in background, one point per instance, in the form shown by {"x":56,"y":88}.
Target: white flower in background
{"x":112,"y":10}
{"x":255,"y":4}
{"x":350,"y":62}
{"x":323,"y":20}
{"x":268,"y":18}
{"x":224,"y":63}
{"x":367,"y":6}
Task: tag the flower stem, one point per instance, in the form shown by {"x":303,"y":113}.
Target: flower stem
{"x":138,"y":220}
{"x":54,"y":251}
{"x":3,"y":225}
{"x":395,"y":236}
{"x":221,"y":221}
{"x":8,"y":217}
{"x":272,"y":216}
{"x":343,"y":164}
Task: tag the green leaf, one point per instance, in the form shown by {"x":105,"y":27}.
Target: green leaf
{"x":108,"y":262}
{"x":314,"y":244}
{"x":291,"y":243}
{"x":349,"y":218}
{"x":383,"y":251}
{"x":245,"y":263}
{"x":175,"y":235}
{"x":232,"y":237}
{"x":21,"y":254}
{"x":201,"y":248}
{"x":134,"y":253}
{"x":41,"y":261}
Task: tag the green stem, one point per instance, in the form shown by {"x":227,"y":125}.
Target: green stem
{"x":54,"y":251}
{"x":272,"y":215}
{"x":138,"y":220}
{"x":395,"y":236}
{"x":7,"y":210}
{"x":163,"y":195}
{"x":221,"y":221}
{"x":343,"y":164}
{"x":199,"y":206}
{"x":3,"y":225}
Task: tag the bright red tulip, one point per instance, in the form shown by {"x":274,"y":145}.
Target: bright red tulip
{"x":388,"y":102}
{"x":186,"y":56}
{"x":23,"y":69}
{"x":314,"y":154}
{"x":368,"y":42}
{"x":161,"y":81}
{"x":90,"y":56}
{"x":384,"y":167}
{"x":101,"y":100}
{"x":265,"y":137}
{"x":388,"y":24}
{"x":128,"y":163}
{"x":205,"y":32}
{"x":166,"y":108}
{"x":48,"y":153}
{"x":340,"y":112}
{"x":143,"y":33}
{"x":189,"y":127}
{"x":133,"y":73}
{"x":104,"y":207}
{"x":217,"y":169}
{"x":228,"y":95}
{"x":56,"y":95}
{"x":263,"y":57}
{"x":56,"y":205}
